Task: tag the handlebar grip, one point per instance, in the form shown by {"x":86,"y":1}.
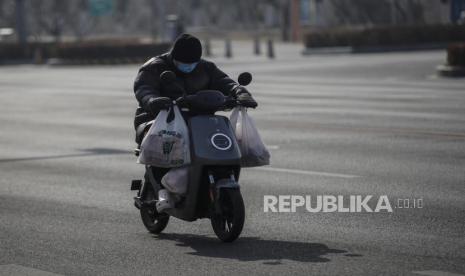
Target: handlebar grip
{"x":182,"y":102}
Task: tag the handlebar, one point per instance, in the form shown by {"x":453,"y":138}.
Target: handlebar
{"x":208,"y":100}
{"x":230,"y":103}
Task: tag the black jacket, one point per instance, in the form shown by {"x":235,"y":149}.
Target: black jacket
{"x":148,"y":84}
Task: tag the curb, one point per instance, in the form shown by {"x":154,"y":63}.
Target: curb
{"x":327,"y":51}
{"x":112,"y":61}
{"x":71,"y":62}
{"x":451,"y":71}
{"x":372,"y":49}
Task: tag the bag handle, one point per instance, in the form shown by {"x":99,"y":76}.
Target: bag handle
{"x":170,"y":116}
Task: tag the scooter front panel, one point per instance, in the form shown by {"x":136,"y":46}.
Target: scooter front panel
{"x":213,"y":141}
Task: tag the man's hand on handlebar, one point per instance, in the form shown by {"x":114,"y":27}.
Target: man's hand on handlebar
{"x":244,"y":98}
{"x":159,"y":103}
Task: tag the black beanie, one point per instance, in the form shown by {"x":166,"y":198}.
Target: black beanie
{"x":187,"y":49}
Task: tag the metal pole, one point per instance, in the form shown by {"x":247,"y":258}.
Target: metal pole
{"x":153,"y":16}
{"x":393,"y":12}
{"x":318,"y":15}
{"x":285,"y":20}
{"x":271,"y":48}
{"x":228,"y":50}
{"x":20,"y":23}
{"x":160,"y":7}
{"x":207,"y":45}
{"x":256,"y":44}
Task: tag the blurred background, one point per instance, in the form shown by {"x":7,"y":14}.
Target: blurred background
{"x":44,"y":20}
{"x":34,"y":31}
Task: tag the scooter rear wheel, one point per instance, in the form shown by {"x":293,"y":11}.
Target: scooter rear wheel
{"x":152,"y":220}
{"x":228,"y":225}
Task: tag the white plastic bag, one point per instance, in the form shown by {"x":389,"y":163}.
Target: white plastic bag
{"x":166,"y":144}
{"x":176,"y":180}
{"x":253,"y":151}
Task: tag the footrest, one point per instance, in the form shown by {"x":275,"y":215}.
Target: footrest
{"x":139,"y":203}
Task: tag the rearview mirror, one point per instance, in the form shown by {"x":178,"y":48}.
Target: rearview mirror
{"x":244,"y":78}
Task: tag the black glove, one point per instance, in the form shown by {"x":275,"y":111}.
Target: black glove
{"x":159,"y":103}
{"x":244,"y":97}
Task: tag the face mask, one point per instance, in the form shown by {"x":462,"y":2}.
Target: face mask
{"x":185,"y":67}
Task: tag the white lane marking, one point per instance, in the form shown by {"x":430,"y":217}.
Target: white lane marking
{"x":272,"y":147}
{"x":436,"y":273}
{"x":271,"y":169}
{"x":19,"y":270}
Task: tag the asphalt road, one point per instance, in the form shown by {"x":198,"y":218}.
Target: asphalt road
{"x":365,"y":124}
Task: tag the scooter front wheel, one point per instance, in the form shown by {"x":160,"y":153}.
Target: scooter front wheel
{"x":228,"y":225}
{"x":152,"y":220}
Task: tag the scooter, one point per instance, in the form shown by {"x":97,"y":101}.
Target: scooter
{"x":213,"y":190}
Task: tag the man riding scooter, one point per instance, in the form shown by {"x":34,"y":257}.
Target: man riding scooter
{"x":192,"y":74}
{"x":181,"y":79}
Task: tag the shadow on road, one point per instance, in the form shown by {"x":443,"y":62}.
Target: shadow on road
{"x":85,"y":152}
{"x":272,"y":252}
